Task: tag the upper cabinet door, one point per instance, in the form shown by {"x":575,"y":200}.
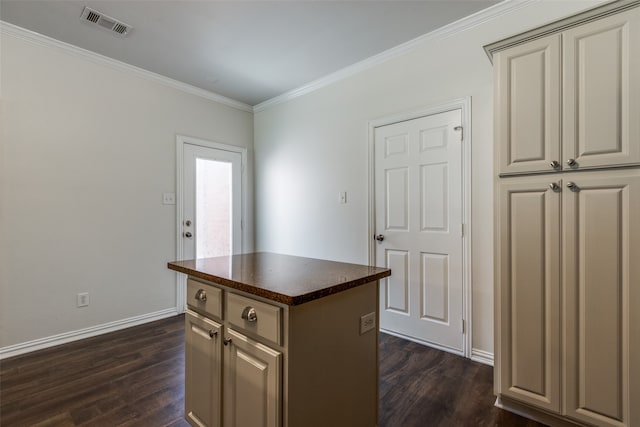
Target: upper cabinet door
{"x":601,"y":92}
{"x":527,"y":85}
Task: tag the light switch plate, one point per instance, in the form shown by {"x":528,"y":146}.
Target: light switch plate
{"x":367,"y":322}
{"x":168,"y":198}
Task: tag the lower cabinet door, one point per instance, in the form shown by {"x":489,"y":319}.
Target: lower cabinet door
{"x":252,"y":383}
{"x":528,"y":269}
{"x":601,"y":242}
{"x":203,"y":369}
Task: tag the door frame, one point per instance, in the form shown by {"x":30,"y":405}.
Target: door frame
{"x":463,"y":104}
{"x":181,"y":141}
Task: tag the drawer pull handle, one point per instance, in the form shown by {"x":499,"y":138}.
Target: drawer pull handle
{"x":249,"y":314}
{"x":226,"y":341}
{"x":213,"y":333}
{"x":201,"y":295}
{"x":572,"y":186}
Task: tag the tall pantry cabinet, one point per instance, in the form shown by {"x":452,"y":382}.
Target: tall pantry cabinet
{"x":567,"y":209}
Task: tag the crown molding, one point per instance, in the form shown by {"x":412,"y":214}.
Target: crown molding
{"x":7,"y":29}
{"x":459,"y":26}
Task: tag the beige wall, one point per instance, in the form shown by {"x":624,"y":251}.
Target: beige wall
{"x":86,"y":153}
{"x":312,"y":147}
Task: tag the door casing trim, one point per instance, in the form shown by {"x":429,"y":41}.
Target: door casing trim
{"x":181,"y":141}
{"x":463,"y":104}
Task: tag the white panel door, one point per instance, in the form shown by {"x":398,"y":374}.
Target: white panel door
{"x":418,"y":193}
{"x":212,"y":202}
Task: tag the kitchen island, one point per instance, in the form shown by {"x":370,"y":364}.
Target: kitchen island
{"x":279,"y":340}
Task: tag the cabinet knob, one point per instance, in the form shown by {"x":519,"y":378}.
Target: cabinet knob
{"x":379,"y":237}
{"x":554,"y":186}
{"x":572,"y":162}
{"x":213,"y":333}
{"x":572,"y":186}
{"x":554,"y":164}
{"x":249,"y":314}
{"x":188,"y":235}
{"x":226,"y":341}
{"x":201,"y":295}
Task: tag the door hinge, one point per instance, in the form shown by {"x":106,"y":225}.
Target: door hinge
{"x":462,"y":326}
{"x":460,"y":128}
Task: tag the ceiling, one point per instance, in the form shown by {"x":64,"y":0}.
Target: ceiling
{"x":249,"y":51}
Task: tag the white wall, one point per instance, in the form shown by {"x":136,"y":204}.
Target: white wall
{"x":86,"y":153}
{"x":310,"y":148}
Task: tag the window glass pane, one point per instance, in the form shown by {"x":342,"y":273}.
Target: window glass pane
{"x":213,"y":211}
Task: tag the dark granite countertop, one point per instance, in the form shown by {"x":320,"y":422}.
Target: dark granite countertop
{"x":286,"y":279}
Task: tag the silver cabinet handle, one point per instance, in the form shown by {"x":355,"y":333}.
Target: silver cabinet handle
{"x":188,"y":235}
{"x":213,"y":333}
{"x":572,"y":186}
{"x":379,"y":237}
{"x":554,"y":186}
{"x":554,"y":164}
{"x":249,"y":314}
{"x":226,"y":341}
{"x":201,"y":295}
{"x":572,"y":162}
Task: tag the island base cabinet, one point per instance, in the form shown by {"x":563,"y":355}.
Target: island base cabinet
{"x":203,"y":370}
{"x":252,"y":383}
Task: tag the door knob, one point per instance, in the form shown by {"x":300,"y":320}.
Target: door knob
{"x":188,"y":235}
{"x":379,"y":237}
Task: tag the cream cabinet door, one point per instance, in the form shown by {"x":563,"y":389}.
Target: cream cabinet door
{"x":601,"y":223}
{"x":527,"y":116}
{"x":601,"y":92}
{"x":252,"y":383}
{"x":203,"y":368}
{"x":528,"y":266}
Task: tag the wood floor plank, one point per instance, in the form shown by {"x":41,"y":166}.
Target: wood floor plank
{"x":135,"y":377}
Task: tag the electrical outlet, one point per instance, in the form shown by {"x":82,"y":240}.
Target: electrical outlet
{"x":367,"y":322}
{"x":82,"y":299}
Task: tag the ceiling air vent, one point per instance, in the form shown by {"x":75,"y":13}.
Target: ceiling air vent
{"x":92,"y":16}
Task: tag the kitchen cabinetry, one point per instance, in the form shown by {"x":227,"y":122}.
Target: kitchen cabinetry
{"x":567,"y":259}
{"x":570,"y":100}
{"x":227,"y":372}
{"x":569,"y":251}
{"x":276,"y":340}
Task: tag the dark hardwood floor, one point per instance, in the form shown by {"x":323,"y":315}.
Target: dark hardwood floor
{"x":135,"y":377}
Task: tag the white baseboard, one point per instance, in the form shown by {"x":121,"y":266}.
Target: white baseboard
{"x":482,"y":356}
{"x":40,"y":343}
{"x":425,"y":343}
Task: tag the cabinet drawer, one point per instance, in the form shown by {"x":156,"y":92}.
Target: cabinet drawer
{"x":262,"y":319}
{"x":204,"y":298}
